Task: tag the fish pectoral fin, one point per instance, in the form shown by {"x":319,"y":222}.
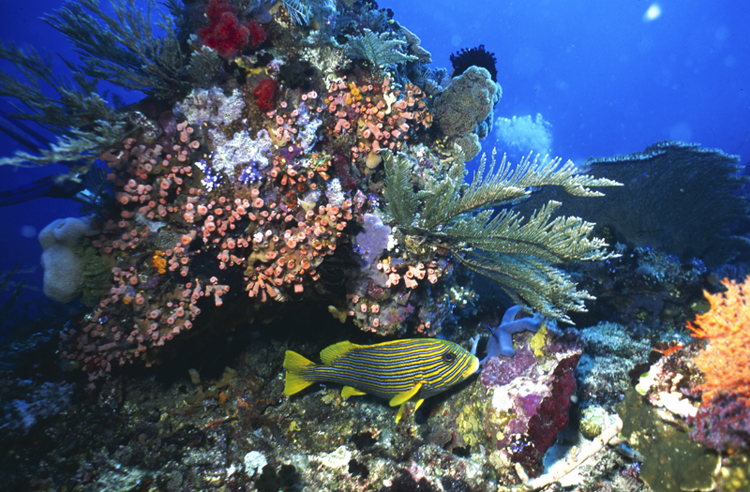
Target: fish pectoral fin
{"x":400,"y":412}
{"x":348,"y":391}
{"x":405,"y":396}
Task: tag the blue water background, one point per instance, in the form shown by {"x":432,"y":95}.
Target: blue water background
{"x":608,"y":80}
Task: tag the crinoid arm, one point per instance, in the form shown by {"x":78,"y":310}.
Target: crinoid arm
{"x":519,"y":254}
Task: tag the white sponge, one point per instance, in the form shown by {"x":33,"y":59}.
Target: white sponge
{"x":63,"y":269}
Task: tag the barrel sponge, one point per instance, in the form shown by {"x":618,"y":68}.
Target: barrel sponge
{"x":466,"y":102}
{"x":63,"y":269}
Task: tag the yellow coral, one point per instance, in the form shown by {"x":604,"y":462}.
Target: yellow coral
{"x":159,"y":262}
{"x":539,"y":340}
{"x":725,"y":362}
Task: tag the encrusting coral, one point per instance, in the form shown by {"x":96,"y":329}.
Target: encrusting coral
{"x":464,"y":111}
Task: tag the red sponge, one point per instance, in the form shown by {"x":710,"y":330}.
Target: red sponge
{"x":266,"y":94}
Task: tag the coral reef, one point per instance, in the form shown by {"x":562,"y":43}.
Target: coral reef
{"x":609,"y":355}
{"x":295,"y":163}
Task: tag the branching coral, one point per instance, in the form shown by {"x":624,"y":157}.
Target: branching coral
{"x":519,"y":255}
{"x":77,"y":106}
{"x":122,"y":49}
{"x":78,"y":151}
{"x":84,"y":123}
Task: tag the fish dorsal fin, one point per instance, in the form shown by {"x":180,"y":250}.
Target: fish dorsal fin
{"x":348,"y":391}
{"x":405,"y":396}
{"x":333,"y":352}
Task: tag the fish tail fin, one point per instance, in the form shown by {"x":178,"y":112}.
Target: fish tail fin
{"x":294,"y":364}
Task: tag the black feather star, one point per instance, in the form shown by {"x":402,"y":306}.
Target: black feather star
{"x":474,"y":57}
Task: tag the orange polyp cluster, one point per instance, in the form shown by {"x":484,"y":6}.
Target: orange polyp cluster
{"x":278,"y":250}
{"x":284,"y":118}
{"x":381,"y":118}
{"x":151,"y":191}
{"x":410,"y":273}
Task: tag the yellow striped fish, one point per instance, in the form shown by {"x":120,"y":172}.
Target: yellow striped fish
{"x":401,"y":370}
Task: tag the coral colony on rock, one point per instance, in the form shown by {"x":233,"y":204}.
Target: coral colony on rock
{"x":294,"y":177}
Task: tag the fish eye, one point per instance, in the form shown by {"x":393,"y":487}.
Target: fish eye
{"x":449,"y":357}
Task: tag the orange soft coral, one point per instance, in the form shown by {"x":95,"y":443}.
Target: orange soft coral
{"x":725,"y":362}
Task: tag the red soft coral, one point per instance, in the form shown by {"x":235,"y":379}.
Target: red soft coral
{"x":216,"y":8}
{"x":257,"y":34}
{"x":224,"y":32}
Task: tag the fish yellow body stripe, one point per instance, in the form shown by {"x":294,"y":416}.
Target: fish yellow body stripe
{"x":399,"y":370}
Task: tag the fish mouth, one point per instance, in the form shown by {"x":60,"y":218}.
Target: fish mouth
{"x":472,"y":367}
